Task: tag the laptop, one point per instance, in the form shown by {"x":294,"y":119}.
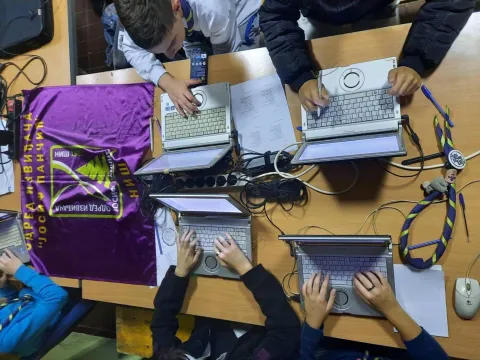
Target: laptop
{"x":342,"y":256}
{"x":198,"y":141}
{"x":361,"y":121}
{"x":11,"y":235}
{"x":210,"y":216}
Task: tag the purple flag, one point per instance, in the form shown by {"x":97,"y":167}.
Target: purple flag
{"x":80,"y":200}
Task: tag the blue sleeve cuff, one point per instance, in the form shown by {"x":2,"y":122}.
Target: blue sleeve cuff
{"x":24,"y":274}
{"x":423,"y":345}
{"x":313,"y":335}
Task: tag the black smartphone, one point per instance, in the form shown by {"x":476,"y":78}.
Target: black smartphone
{"x":199,"y":65}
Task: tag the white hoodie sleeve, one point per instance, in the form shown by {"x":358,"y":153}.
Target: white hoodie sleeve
{"x":146,"y":63}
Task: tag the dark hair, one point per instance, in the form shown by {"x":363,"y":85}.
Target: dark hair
{"x":146,"y":21}
{"x":169,"y":354}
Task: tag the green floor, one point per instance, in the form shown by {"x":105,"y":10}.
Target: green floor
{"x":87,"y":347}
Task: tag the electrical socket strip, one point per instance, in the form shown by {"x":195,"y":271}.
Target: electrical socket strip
{"x":203,"y":183}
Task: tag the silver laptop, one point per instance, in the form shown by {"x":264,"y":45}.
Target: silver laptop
{"x":341,"y":257}
{"x":198,"y":141}
{"x":11,"y":235}
{"x":210,"y":216}
{"x":361,"y":121}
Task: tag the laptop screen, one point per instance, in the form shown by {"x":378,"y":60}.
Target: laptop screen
{"x":203,"y":205}
{"x":183,"y":160}
{"x":351,"y":148}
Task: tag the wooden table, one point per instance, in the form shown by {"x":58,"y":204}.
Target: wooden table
{"x":454,"y":83}
{"x":60,"y":57}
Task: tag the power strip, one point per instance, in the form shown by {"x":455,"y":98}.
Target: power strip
{"x":202,"y":183}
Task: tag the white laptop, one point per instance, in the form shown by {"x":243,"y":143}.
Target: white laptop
{"x":198,"y":141}
{"x":361,"y":121}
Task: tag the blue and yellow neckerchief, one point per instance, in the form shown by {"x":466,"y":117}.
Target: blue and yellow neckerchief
{"x":456,"y":162}
{"x":188,"y":16}
{"x":24,"y":300}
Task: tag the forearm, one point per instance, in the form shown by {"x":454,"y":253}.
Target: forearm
{"x":285,"y":41}
{"x":145,"y":63}
{"x":282,"y":324}
{"x":48,"y":291}
{"x":309,"y":341}
{"x":405,"y":325}
{"x":168,"y":303}
{"x":433,"y":32}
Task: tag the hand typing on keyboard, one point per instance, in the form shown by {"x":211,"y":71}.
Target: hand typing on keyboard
{"x":405,"y":81}
{"x":375,"y":290}
{"x":318,"y":303}
{"x":230,"y":255}
{"x":9,"y":263}
{"x":188,"y":253}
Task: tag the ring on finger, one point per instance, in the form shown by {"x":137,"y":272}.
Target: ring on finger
{"x":371,"y":288}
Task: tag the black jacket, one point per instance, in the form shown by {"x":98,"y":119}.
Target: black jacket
{"x":436,"y":26}
{"x":278,"y":340}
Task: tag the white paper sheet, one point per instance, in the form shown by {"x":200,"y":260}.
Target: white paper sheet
{"x":261,"y":115}
{"x":165,"y":242}
{"x":422,"y":296}
{"x":7,"y":180}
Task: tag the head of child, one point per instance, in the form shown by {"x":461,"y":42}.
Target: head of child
{"x":169,"y":354}
{"x":154,"y":25}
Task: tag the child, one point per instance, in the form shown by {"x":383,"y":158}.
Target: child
{"x":159,"y":26}
{"x":431,"y":35}
{"x":375,"y":290}
{"x":34,"y":310}
{"x":214,"y":339}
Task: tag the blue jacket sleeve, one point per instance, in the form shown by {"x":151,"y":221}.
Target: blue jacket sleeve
{"x":49,"y":300}
{"x":425,"y":347}
{"x":309,"y":341}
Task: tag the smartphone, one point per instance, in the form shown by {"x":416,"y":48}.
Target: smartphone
{"x":199,"y":65}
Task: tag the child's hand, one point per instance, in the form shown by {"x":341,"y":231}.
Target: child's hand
{"x":310,"y":97}
{"x":3,"y":280}
{"x":405,"y":81}
{"x":187,"y":254}
{"x":317,"y":304}
{"x":375,"y":290}
{"x":9,"y":263}
{"x":230,"y":255}
{"x":180,"y":94}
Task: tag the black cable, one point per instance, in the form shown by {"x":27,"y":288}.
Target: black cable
{"x":416,"y":141}
{"x":246,"y":159}
{"x":285,"y":192}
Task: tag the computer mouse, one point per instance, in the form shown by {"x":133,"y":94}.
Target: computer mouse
{"x":467,"y":297}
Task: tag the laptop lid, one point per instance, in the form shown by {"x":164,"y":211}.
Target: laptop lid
{"x":338,"y":240}
{"x":185,"y":160}
{"x":350,"y":148}
{"x":202,"y":204}
{"x":211,"y":97}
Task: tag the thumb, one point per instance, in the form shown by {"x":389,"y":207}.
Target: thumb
{"x":192,"y":82}
{"x":392,"y":76}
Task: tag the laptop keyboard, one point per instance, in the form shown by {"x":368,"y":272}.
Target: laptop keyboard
{"x":10,"y":235}
{"x":207,"y":122}
{"x":208,"y":234}
{"x":342,"y":268}
{"x":354,"y":108}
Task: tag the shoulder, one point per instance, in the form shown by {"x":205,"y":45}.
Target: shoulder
{"x":211,"y":9}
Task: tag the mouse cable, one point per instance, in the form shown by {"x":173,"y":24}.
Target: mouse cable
{"x":298,"y":176}
{"x":471,"y":266}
